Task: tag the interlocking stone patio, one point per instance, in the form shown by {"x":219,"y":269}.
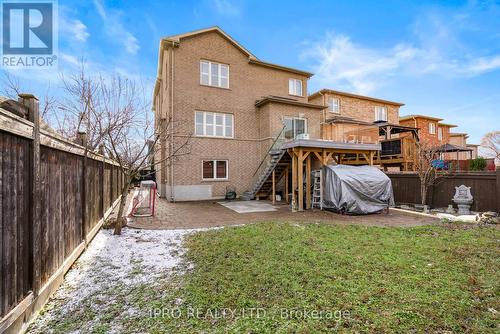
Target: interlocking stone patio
{"x":204,"y":214}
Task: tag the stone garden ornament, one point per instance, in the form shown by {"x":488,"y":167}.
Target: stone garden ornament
{"x":463,"y":199}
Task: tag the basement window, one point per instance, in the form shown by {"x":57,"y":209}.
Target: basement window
{"x":215,"y":170}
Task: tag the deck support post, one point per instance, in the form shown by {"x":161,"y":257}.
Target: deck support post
{"x":286,"y":184}
{"x":294,"y":181}
{"x":300,"y":172}
{"x":308,"y":182}
{"x":274,"y":187}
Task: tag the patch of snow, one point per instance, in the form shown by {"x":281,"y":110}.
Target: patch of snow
{"x":131,"y":259}
{"x":462,"y":218}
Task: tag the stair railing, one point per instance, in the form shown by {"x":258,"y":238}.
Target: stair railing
{"x":277,"y":143}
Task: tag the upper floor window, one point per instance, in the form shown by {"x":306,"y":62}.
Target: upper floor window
{"x":295,"y":87}
{"x":432,"y":128}
{"x":334,"y":105}
{"x":380,"y":114}
{"x":213,"y":124}
{"x":214,"y":74}
{"x":440,"y":133}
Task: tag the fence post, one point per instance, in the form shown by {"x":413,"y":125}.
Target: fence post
{"x":31,"y":103}
{"x":82,"y":136}
{"x":102,"y":170}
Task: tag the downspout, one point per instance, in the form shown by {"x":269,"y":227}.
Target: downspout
{"x":323,"y":116}
{"x":414,"y":122}
{"x":172,"y":191}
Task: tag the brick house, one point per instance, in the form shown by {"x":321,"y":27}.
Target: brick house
{"x":434,"y":133}
{"x":430,"y":130}
{"x":236,"y":108}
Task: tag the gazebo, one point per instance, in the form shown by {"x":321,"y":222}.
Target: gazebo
{"x":450,"y":148}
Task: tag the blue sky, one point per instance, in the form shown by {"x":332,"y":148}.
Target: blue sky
{"x":439,"y":58}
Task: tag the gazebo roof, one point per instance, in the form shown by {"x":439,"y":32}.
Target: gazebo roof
{"x":452,"y":148}
{"x":395,"y":128}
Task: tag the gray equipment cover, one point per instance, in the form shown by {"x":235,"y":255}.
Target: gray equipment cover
{"x":356,"y":189}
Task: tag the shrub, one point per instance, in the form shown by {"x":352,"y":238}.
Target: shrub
{"x":478,"y":164}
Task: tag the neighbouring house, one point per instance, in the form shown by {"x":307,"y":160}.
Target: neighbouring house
{"x":251,"y":123}
{"x":452,"y":146}
{"x":430,"y":130}
{"x":356,"y":118}
{"x":460,"y":139}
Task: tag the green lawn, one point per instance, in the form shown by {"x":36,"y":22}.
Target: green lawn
{"x":435,"y":279}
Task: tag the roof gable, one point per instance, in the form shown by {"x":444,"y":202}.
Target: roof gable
{"x":177,"y":38}
{"x":352,"y":95}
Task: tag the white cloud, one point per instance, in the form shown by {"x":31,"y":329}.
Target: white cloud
{"x":444,"y":44}
{"x":339,"y":62}
{"x":72,"y":60}
{"x":481,"y":65}
{"x":114,"y":28}
{"x":71,"y":28}
{"x":76,"y":29}
{"x":342,"y":64}
{"x":226,"y":8}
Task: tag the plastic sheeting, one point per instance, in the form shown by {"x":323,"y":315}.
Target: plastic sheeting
{"x":356,"y":189}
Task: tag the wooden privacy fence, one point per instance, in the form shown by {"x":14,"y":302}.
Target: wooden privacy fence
{"x":485,"y":188}
{"x":53,"y":200}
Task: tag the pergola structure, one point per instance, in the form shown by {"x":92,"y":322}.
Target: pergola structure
{"x":387,"y":129}
{"x":395,"y":152}
{"x":305,"y":152}
{"x":450,"y":148}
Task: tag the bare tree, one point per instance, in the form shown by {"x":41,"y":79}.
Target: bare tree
{"x":12,"y":87}
{"x":427,"y":172}
{"x":491,"y":144}
{"x":80,"y":108}
{"x":130,"y":137}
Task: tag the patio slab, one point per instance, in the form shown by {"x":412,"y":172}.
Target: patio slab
{"x":248,"y":206}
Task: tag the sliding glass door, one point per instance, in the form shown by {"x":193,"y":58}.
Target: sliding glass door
{"x":294,"y":127}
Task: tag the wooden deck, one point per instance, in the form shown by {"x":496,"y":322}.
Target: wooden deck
{"x":304,"y":152}
{"x":398,"y":152}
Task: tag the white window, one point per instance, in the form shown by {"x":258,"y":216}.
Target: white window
{"x":334,"y":105}
{"x":432,"y":128}
{"x":295,"y":87}
{"x":213,"y":124}
{"x":295,"y":127}
{"x":440,"y":133}
{"x":214,"y":74}
{"x":214,"y":170}
{"x":380,"y":114}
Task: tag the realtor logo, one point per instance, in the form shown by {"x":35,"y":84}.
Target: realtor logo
{"x":28,"y":34}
